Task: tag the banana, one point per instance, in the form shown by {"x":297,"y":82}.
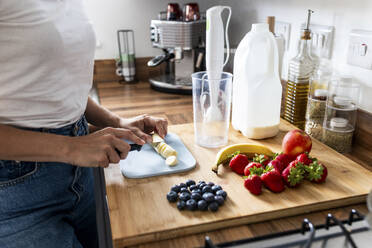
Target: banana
{"x":224,"y":155}
{"x":164,"y":150}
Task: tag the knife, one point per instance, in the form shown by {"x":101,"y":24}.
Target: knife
{"x":133,"y":147}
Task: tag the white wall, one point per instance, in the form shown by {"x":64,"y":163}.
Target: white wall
{"x":110,"y":15}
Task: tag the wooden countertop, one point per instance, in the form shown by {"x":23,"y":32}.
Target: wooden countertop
{"x":130,"y":100}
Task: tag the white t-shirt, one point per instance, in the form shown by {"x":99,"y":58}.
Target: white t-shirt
{"x":46,"y":62}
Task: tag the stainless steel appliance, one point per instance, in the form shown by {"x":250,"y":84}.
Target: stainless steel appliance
{"x":182,"y":44}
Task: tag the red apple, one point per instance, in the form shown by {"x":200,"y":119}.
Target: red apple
{"x":296,"y":142}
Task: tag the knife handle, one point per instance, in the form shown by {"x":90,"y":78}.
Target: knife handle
{"x":133,"y":147}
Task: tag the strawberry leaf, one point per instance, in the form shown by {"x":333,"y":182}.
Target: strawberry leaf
{"x":315,"y":171}
{"x":233,"y":155}
{"x":260,"y":158}
{"x":296,"y":175}
{"x":256,"y":171}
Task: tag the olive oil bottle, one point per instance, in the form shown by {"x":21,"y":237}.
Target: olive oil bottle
{"x":300,"y":70}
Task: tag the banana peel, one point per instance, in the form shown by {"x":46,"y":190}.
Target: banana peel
{"x":225,"y":154}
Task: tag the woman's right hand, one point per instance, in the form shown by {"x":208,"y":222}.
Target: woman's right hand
{"x":101,"y":148}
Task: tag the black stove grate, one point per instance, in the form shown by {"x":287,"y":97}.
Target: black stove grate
{"x":308,"y":235}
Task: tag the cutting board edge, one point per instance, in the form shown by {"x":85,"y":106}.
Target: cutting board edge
{"x":188,"y":230}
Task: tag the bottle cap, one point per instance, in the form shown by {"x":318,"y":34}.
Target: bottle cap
{"x":338,"y":122}
{"x":320,"y":92}
{"x":259,"y":27}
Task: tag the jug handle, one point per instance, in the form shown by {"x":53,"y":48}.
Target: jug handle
{"x":275,"y":64}
{"x":227,"y":35}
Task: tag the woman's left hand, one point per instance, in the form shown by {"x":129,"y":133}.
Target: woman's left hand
{"x":144,"y":124}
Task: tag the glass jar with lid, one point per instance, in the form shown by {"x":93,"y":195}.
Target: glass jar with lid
{"x":341,"y":114}
{"x":317,"y":99}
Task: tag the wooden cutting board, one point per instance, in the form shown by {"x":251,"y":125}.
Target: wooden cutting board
{"x":140,"y":212}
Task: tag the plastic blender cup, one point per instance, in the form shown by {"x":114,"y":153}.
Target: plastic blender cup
{"x":211,"y":132}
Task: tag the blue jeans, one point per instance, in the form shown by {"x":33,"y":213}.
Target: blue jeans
{"x":50,"y":204}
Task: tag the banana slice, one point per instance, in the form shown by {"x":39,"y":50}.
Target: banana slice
{"x":171,"y":160}
{"x":164,"y":150}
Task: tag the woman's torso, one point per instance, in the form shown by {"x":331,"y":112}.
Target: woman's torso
{"x":46,"y":62}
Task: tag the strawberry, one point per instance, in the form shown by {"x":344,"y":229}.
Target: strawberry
{"x":284,"y":158}
{"x":277,"y":165}
{"x":304,"y":158}
{"x":272,"y":180}
{"x":253,"y":168}
{"x":253,"y":183}
{"x":294,"y":174}
{"x":262,"y":159}
{"x":316,"y":172}
{"x":238,"y":163}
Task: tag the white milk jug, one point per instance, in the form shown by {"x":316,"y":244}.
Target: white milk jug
{"x":257,"y":89}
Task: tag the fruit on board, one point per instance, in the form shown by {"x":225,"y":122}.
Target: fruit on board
{"x":238,"y":163}
{"x":225,"y":154}
{"x":296,"y":142}
{"x":285,"y":159}
{"x":253,"y":168}
{"x":253,"y":183}
{"x":172,"y":196}
{"x":164,"y":150}
{"x":272,"y":180}
{"x":262,"y":159}
{"x":277,"y":165}
{"x":203,"y":196}
{"x":316,"y":172}
{"x":304,"y":158}
{"x":294,"y":174}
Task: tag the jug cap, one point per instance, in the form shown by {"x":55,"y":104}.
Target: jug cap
{"x":259,"y":27}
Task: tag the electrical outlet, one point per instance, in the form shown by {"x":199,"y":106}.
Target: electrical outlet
{"x":359,"y":51}
{"x":283,"y":29}
{"x":321,"y":40}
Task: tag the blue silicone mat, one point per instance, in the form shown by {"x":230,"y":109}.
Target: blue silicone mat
{"x":148,"y":163}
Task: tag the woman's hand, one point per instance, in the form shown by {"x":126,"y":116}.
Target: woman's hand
{"x":143,"y":125}
{"x":102,"y":147}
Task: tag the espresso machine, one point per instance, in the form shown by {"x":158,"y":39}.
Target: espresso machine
{"x":183,"y":46}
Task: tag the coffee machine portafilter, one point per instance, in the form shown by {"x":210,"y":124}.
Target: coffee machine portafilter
{"x":183,"y":46}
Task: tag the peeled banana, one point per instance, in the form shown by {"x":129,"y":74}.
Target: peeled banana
{"x":164,"y":150}
{"x":225,"y":154}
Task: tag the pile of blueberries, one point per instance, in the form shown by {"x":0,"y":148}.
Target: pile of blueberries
{"x":202,"y":196}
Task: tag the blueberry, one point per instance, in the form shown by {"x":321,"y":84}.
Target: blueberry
{"x":201,"y":186}
{"x":184,"y":190}
{"x":213,"y":206}
{"x":210,"y":184}
{"x":216,"y":188}
{"x":192,"y":187}
{"x":196,"y":196}
{"x":209,"y":197}
{"x":182,"y":185}
{"x":202,"y":205}
{"x":200,"y":182}
{"x":176,"y":188}
{"x":190,"y":182}
{"x":207,"y":189}
{"x":172,"y":196}
{"x":219,"y":199}
{"x":181,"y":205}
{"x":196,"y":191}
{"x":184,"y":196}
{"x":191,"y":205}
{"x":222,"y":193}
